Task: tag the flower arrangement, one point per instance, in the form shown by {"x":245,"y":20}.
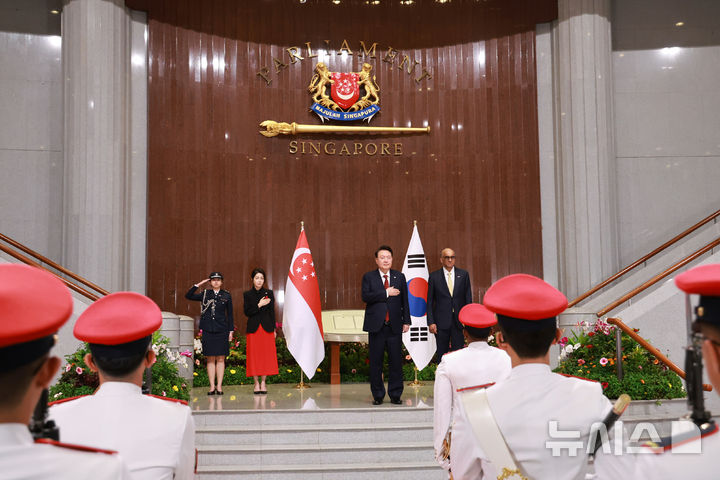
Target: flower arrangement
{"x":590,"y":353}
{"x":78,"y":379}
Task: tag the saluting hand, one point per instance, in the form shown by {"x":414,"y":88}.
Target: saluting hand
{"x":392,"y":292}
{"x":200,"y":284}
{"x":263,"y":301}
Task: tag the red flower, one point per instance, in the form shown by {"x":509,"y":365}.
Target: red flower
{"x":604,"y":385}
{"x":591,"y":334}
{"x":581,"y":362}
{"x":367,"y":361}
{"x":588,"y":346}
{"x":636,"y":330}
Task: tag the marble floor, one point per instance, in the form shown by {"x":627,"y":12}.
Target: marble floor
{"x":285,"y":396}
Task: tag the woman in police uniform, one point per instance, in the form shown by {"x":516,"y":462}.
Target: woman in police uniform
{"x":260,"y":310}
{"x":216,"y":324}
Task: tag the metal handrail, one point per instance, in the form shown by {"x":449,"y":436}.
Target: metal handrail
{"x":658,"y":277}
{"x":644,"y":259}
{"x":69,"y":284}
{"x":646,"y":345}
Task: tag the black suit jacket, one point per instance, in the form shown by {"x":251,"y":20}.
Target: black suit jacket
{"x":443,"y":309}
{"x":378,"y":303}
{"x":218,"y":319}
{"x":264,"y":316}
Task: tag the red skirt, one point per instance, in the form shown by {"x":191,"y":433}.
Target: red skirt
{"x":261,"y":355}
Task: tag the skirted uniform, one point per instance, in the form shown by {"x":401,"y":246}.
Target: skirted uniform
{"x":261,"y":355}
{"x":216,"y":319}
{"x":477,"y":364}
{"x":155,"y":436}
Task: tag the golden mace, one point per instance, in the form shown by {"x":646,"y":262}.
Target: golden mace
{"x":275,"y":128}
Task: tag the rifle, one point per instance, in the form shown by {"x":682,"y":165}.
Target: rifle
{"x":40,"y":426}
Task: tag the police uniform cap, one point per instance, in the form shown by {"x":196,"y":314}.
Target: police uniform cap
{"x":703,"y":280}
{"x":118,"y":318}
{"x":525,"y":297}
{"x":476,"y":315}
{"x":216,"y":275}
{"x":34,"y":304}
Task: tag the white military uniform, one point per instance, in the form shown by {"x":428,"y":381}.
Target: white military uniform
{"x":154,"y":436}
{"x":22,"y":459}
{"x":527,"y":401}
{"x":678,"y":463}
{"x":477,"y":364}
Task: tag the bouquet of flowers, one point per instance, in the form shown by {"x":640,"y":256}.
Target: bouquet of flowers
{"x":590,"y":352}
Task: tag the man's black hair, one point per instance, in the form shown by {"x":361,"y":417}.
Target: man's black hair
{"x":383,"y":247}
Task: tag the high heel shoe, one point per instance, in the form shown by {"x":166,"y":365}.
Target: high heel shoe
{"x":212,"y":392}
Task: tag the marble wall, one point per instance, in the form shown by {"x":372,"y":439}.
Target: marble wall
{"x":31,"y":140}
{"x":666,"y":65}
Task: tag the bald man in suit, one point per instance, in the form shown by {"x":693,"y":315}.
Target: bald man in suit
{"x":448,"y":291}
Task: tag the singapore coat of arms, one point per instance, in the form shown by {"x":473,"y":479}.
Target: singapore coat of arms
{"x":344,"y":96}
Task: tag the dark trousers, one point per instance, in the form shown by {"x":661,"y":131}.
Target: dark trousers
{"x":378,"y":343}
{"x":449,"y":339}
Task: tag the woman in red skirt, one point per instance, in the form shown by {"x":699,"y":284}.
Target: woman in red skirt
{"x":260,"y":310}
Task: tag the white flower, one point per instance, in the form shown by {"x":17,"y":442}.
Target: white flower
{"x":197,"y":345}
{"x":156,"y":349}
{"x":577,"y":346}
{"x":491,"y":338}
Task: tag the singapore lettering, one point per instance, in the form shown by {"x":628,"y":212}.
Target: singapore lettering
{"x":345,"y":148}
{"x":392,"y":56}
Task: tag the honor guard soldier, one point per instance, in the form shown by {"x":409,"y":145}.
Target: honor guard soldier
{"x":155,"y":435}
{"x":476,"y":366}
{"x":27,"y":328}
{"x":695,"y":454}
{"x":514,"y":419}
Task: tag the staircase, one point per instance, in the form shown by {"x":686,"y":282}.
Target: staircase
{"x":343,"y":443}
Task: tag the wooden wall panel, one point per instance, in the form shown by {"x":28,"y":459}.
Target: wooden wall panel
{"x":222,"y":197}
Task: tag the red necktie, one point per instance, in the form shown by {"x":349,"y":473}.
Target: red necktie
{"x":387,"y":314}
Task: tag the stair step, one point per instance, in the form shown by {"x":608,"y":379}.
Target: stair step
{"x":314,"y":454}
{"x":306,"y":471}
{"x":313,"y":417}
{"x":310,"y":434}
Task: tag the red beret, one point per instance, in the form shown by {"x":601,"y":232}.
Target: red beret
{"x":703,"y":280}
{"x":477,"y":315}
{"x":525,"y":297}
{"x":118,"y":318}
{"x":33,"y":304}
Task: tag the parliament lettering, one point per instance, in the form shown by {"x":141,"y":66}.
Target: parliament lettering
{"x":345,"y":148}
{"x":391,"y":56}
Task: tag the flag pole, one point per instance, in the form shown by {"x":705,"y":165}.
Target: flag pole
{"x":415,"y":383}
{"x":302,"y":385}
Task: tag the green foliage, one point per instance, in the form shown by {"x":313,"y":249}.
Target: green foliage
{"x":354,"y":365}
{"x":592,"y":354}
{"x":78,"y":379}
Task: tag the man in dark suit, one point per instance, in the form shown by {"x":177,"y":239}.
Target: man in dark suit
{"x":387,"y":316}
{"x":448,"y":291}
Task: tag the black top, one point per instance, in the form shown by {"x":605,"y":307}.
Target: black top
{"x":216,"y":310}
{"x":264,"y":316}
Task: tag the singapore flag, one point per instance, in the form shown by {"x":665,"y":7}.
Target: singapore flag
{"x":302,"y":322}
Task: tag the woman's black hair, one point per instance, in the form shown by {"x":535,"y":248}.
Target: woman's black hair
{"x":256,"y":271}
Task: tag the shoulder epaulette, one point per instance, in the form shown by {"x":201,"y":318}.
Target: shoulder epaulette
{"x":176,"y":400}
{"x":63,"y":400}
{"x":82,"y":448}
{"x":580,"y":378}
{"x":474,"y":387}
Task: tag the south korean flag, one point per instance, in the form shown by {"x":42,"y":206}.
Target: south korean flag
{"x":419,"y":342}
